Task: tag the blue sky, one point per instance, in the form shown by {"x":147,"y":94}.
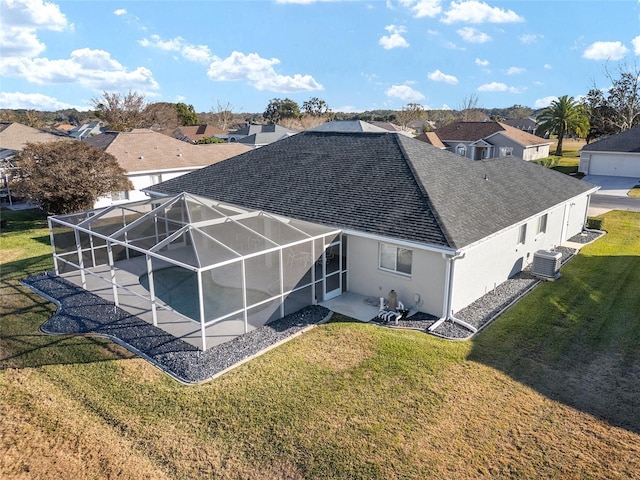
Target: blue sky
{"x":355,"y":55}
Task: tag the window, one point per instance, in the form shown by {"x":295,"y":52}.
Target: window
{"x":461,"y":150}
{"x":119,"y":196}
{"x":506,"y":151}
{"x":395,"y":259}
{"x":542,"y":224}
{"x":522,"y":236}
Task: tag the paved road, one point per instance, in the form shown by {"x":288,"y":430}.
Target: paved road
{"x":615,"y":203}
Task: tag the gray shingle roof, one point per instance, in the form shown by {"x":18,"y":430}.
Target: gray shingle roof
{"x":348,"y":126}
{"x":628,"y":141}
{"x":382,"y":183}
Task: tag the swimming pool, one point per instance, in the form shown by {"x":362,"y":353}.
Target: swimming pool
{"x":178,"y":288}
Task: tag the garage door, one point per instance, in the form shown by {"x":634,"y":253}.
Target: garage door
{"x":614,"y":165}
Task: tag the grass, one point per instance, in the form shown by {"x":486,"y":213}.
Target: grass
{"x":551,"y":390}
{"x":634,"y":192}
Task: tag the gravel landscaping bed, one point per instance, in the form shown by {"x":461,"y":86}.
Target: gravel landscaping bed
{"x":81,"y":312}
{"x":587,"y":236}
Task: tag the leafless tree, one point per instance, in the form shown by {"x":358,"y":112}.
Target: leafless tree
{"x":223,"y":113}
{"x":121,"y":112}
{"x":411,"y":112}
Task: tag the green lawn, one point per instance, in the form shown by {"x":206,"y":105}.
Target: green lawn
{"x":550,"y":390}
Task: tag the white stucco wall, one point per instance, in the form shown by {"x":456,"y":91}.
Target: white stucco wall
{"x":492,"y":261}
{"x":427,"y":275}
{"x":141,"y":180}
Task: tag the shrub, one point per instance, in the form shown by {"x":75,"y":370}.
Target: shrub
{"x":595,"y":223}
{"x":549,"y":162}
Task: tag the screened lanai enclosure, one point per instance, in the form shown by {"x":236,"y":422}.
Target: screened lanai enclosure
{"x":201,"y":270}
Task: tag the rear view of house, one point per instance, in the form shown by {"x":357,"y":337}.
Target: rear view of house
{"x":317,"y":214}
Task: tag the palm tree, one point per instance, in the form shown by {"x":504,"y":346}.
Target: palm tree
{"x":564,"y":116}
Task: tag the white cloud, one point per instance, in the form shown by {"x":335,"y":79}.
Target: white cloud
{"x":120,"y":11}
{"x":87,"y":68}
{"x":498,"y":87}
{"x":473,"y":11}
{"x":438,"y":76}
{"x":482,"y":63}
{"x":605,"y":51}
{"x":636,"y":45}
{"x":194,"y":53}
{"x":259,"y":73}
{"x":20,"y":42}
{"x":515,"y":70}
{"x":544,"y":102}
{"x":423,"y":8}
{"x":33,"y":101}
{"x":529,"y":38}
{"x":20,"y":21}
{"x":548,"y":66}
{"x":395,"y":40}
{"x":493,"y":87}
{"x":404,"y":93}
{"x":32,"y":14}
{"x":472,"y":35}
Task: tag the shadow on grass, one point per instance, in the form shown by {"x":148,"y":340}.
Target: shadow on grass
{"x":22,"y":345}
{"x":577,"y":340}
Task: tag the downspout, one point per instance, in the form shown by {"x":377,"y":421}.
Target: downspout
{"x":448,"y":297}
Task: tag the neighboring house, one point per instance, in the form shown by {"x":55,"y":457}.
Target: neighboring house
{"x":354,"y":126}
{"x":193,"y":133}
{"x":528,"y":125}
{"x":15,"y":136}
{"x":348,"y":126}
{"x":260,"y":135}
{"x":86,"y":130}
{"x":432,"y":139}
{"x":439,"y":230}
{"x":617,"y":155}
{"x":392,"y":127}
{"x":149,"y":157}
{"x":478,"y":140}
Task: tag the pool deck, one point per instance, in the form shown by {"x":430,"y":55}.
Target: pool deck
{"x":135,"y":300}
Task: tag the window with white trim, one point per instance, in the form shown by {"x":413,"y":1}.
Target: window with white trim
{"x":542,"y":224}
{"x":461,"y":150}
{"x":119,"y":196}
{"x":522,"y":234}
{"x":506,"y":151}
{"x":395,"y":259}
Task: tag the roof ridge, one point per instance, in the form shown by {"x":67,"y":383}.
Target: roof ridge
{"x":424,"y":191}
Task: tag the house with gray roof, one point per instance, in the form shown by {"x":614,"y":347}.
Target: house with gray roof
{"x":439,"y":230}
{"x":617,"y":155}
{"x":259,"y":135}
{"x":478,"y":140}
{"x":529,"y":125}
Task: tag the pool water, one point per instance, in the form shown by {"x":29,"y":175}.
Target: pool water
{"x":178,"y":288}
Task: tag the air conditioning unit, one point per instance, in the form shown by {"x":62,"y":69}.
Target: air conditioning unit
{"x":546,"y":264}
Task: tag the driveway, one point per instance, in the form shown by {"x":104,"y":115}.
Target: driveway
{"x":612,"y":194}
{"x":612,"y":186}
